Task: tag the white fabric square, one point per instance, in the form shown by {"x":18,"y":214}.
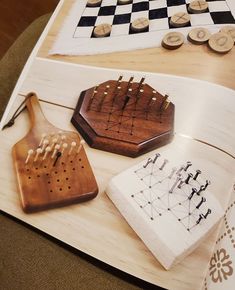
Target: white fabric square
{"x":158,"y":24}
{"x":108,"y":2}
{"x":157,"y":4}
{"x":123,"y":9}
{"x":175,"y":9}
{"x":201,"y":19}
{"x":139,"y":14}
{"x":104,"y":19}
{"x":91,"y":11}
{"x":120,"y":29}
{"x":218,"y":6}
{"x":83,"y":31}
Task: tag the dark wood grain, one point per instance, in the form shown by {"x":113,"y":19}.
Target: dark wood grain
{"x":131,"y":120}
{"x":47,"y":183}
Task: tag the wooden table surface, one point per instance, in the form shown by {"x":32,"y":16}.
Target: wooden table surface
{"x":194,"y":61}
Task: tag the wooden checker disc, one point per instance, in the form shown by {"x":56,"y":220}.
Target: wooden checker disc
{"x":93,"y":3}
{"x":199,"y":35}
{"x":123,"y":2}
{"x":198,"y":6}
{"x":140,"y":24}
{"x":221,"y":42}
{"x":180,"y":19}
{"x":102,"y":30}
{"x":230,"y":30}
{"x":173,"y":40}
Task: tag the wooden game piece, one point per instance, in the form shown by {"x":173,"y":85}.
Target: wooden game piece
{"x":180,"y":19}
{"x":140,"y":24}
{"x":221,"y":42}
{"x":230,"y":30}
{"x":44,"y":144}
{"x":82,"y":142}
{"x":198,"y":6}
{"x":64,"y":146}
{"x":41,"y":141}
{"x":47,"y":150}
{"x":57,"y":147}
{"x":173,"y":40}
{"x":30,"y":152}
{"x":120,"y":127}
{"x":38,"y":152}
{"x":72,"y":146}
{"x":50,"y":182}
{"x":123,"y":2}
{"x":102,"y":30}
{"x":93,"y":3}
{"x":199,"y":35}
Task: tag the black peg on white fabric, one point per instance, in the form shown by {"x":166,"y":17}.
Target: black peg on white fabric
{"x":207,"y":183}
{"x":207,"y":213}
{"x":190,"y":175}
{"x":197,"y":173}
{"x":200,"y":189}
{"x":199,"y":219}
{"x":163,"y":164}
{"x":148,"y":162}
{"x":156,"y":157}
{"x":187,"y":165}
{"x":194,"y":190}
{"x":201,"y":202}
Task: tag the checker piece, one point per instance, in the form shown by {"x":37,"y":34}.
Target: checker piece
{"x":93,"y":3}
{"x":199,"y":35}
{"x":102,"y":30}
{"x":230,"y":30}
{"x":140,"y":24}
{"x":221,"y":42}
{"x":173,"y":40}
{"x":180,"y":19}
{"x":198,"y":6}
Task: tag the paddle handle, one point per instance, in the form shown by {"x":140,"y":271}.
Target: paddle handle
{"x":35,"y":112}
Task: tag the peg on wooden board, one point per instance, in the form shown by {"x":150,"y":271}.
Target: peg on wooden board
{"x":38,"y":152}
{"x":30,"y":153}
{"x":44,"y":144}
{"x":57,"y":147}
{"x":72,"y":147}
{"x":58,"y":155}
{"x":47,"y":150}
{"x":43,"y":137}
{"x":82,"y":143}
{"x":64,"y":147}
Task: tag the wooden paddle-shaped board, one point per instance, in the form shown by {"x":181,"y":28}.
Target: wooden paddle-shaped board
{"x":51,"y":165}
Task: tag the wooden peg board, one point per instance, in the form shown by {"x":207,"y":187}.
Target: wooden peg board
{"x":124,"y":117}
{"x":170,"y":207}
{"x":48,"y":180}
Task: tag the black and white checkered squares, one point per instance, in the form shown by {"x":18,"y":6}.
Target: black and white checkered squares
{"x":158,"y":12}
